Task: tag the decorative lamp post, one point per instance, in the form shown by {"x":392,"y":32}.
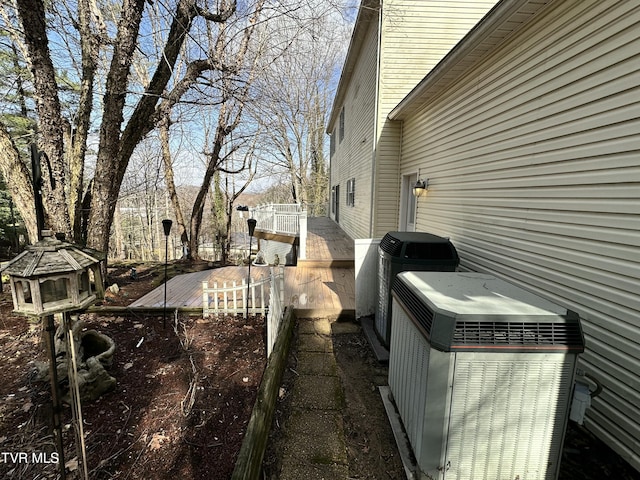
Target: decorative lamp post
{"x":252,"y":227}
{"x":57,"y":277}
{"x":166,"y":225}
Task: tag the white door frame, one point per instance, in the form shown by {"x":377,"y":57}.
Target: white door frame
{"x":407,"y":220}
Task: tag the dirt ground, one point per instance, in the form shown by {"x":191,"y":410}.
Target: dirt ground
{"x":184,"y":396}
{"x":180,"y":407}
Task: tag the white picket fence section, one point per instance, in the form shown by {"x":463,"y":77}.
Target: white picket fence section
{"x":266,"y":297}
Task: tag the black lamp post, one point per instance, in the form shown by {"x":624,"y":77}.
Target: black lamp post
{"x":252,"y":227}
{"x":166,"y":225}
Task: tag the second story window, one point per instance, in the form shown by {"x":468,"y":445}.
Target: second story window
{"x":351,"y":192}
{"x":332,"y":143}
{"x":342,"y":124}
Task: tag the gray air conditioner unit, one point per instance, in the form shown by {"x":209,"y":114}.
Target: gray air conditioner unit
{"x":402,"y":251}
{"x":481,"y":372}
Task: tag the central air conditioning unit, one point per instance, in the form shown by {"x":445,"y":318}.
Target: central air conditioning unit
{"x":402,"y":251}
{"x":481,"y":372}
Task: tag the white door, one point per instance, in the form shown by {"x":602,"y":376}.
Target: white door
{"x":408,"y":203}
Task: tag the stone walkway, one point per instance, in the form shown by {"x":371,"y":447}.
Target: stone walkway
{"x":315,"y":443}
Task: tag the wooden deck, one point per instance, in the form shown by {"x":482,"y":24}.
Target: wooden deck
{"x":327,"y":245}
{"x":320,"y":291}
{"x":323,"y":285}
{"x":186,"y":290}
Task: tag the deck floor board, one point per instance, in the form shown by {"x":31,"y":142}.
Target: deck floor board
{"x":311,"y":290}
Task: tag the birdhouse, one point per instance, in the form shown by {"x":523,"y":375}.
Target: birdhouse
{"x":54,"y":276}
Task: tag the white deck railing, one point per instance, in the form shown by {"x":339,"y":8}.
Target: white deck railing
{"x":266,"y":297}
{"x":283,"y":218}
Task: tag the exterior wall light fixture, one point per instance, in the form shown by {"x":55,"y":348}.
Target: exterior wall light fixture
{"x":420,"y":187}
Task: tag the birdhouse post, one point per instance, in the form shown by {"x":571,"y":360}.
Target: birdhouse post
{"x":56,"y":277}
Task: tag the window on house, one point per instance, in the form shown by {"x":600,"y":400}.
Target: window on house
{"x":342,"y":124}
{"x":333,"y":200}
{"x":351,"y":192}
{"x":332,"y":143}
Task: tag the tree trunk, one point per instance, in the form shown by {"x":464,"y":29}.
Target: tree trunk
{"x":80,"y":131}
{"x":198,"y":205}
{"x":120,"y":252}
{"x":170,"y":182}
{"x":110,"y":164}
{"x":18,"y":180}
{"x":50,"y":123}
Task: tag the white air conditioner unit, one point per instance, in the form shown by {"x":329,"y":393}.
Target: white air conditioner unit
{"x":481,"y":372}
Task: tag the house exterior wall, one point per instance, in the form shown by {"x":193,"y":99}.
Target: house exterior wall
{"x":533,"y":161}
{"x":351,"y":158}
{"x":403,"y":41}
{"x":415,"y":36}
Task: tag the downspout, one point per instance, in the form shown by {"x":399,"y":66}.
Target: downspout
{"x":330,"y":186}
{"x":399,"y":178}
{"x":374,"y":166}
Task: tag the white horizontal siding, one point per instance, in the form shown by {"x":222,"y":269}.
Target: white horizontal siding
{"x":386,"y":200}
{"x":533,"y":161}
{"x":354,"y":155}
{"x":416,"y":35}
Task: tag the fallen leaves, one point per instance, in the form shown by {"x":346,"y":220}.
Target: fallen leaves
{"x":157,"y":440}
{"x":72,"y":465}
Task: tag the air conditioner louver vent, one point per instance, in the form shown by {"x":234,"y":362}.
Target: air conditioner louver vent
{"x":391,"y":245}
{"x":518,"y":335}
{"x":418,"y":310}
{"x":471,"y":318}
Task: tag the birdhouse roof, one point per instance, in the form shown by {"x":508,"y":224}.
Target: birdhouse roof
{"x":48,"y":257}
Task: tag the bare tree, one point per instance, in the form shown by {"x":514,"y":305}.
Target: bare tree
{"x":63,"y":142}
{"x":234,"y":48}
{"x":20,"y":188}
{"x":295,"y":103}
{"x":211,"y":54}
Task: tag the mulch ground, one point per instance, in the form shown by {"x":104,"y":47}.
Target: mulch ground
{"x":182,"y":401}
{"x":184,"y":395}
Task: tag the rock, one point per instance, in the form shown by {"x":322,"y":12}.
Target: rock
{"x":114,"y":288}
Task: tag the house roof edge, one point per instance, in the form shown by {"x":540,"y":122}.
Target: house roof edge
{"x":482,"y":36}
{"x":366,"y":13}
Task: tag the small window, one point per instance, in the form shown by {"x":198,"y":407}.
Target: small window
{"x":342,"y":124}
{"x":334,"y":200}
{"x":84,"y":285}
{"x":351,"y":192}
{"x":332,"y":143}
{"x":23,"y":292}
{"x":54,"y":290}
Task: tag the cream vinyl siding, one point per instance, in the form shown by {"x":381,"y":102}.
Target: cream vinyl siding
{"x":416,"y":35}
{"x":533,"y":161}
{"x":353,"y":156}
